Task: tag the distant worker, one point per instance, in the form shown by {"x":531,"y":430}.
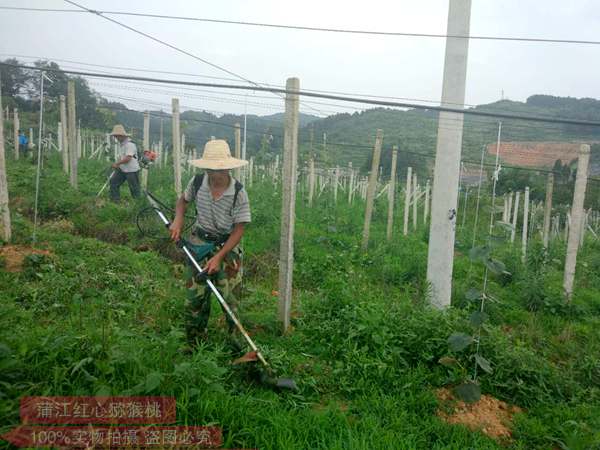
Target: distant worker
{"x":23,"y":143}
{"x":223,"y":209}
{"x":126,"y":168}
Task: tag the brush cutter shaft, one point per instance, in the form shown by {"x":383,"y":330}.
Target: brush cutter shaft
{"x":213,"y":288}
{"x":105,"y":184}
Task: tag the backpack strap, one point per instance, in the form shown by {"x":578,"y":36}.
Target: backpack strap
{"x":238,"y":188}
{"x":198,"y":179}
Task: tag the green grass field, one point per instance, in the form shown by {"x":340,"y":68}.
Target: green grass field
{"x":102,"y":314}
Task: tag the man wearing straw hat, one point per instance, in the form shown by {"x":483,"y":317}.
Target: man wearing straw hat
{"x":223,"y":209}
{"x":126,"y":168}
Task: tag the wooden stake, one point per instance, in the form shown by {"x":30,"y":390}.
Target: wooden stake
{"x":4,"y":205}
{"x":426,"y":206}
{"x":16,"y":126}
{"x":415,"y":199}
{"x":407,"y":197}
{"x":311,"y":182}
{"x":515,"y":216}
{"x":548,"y":210}
{"x":72,"y":133}
{"x":350,"y":183}
{"x":176,"y":136}
{"x":145,"y":146}
{"x":391,"y":194}
{"x":372,"y":185}
{"x":525,"y":224}
{"x":336,"y":176}
{"x":238,"y":149}
{"x":290,"y":162}
{"x":65,"y":139}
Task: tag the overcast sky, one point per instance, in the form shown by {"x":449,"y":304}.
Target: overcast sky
{"x":393,"y":66}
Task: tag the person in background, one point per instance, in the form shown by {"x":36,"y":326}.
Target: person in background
{"x":223,"y":210}
{"x":23,"y":143}
{"x":126,"y":168}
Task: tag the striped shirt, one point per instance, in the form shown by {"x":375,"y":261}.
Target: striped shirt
{"x":218,"y":216}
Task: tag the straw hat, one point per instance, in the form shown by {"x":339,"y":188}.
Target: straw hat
{"x":118,"y":130}
{"x":217,"y":156}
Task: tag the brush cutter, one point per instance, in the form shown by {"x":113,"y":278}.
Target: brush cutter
{"x":105,"y":184}
{"x":255,"y":354}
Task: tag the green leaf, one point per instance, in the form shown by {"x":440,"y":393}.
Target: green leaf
{"x":473,"y":294}
{"x":477,"y":318}
{"x":483,"y":363}
{"x":447,"y":361}
{"x":153,"y":380}
{"x":495,"y":266}
{"x":459,"y":341}
{"x":479,"y":253}
{"x":468,"y":391}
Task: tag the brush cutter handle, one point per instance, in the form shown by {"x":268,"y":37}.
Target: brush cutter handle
{"x":210,"y":284}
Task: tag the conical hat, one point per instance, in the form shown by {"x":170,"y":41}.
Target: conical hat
{"x":118,"y":130}
{"x":217,"y":156}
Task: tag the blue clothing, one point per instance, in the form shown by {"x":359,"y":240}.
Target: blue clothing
{"x":23,"y":140}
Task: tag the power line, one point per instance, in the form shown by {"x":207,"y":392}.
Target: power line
{"x":326,"y":96}
{"x":171,"y":46}
{"x":50,"y":59}
{"x":321,"y":29}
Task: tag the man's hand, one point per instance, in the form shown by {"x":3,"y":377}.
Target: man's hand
{"x":214,"y":264}
{"x":115,"y":166}
{"x":175,"y":228}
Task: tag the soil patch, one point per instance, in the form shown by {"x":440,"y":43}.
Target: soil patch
{"x":488,"y":415}
{"x":13,"y":256}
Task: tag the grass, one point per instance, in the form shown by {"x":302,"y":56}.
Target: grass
{"x":103,"y":314}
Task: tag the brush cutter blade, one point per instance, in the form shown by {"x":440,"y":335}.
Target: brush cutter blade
{"x":286,"y":383}
{"x":278,"y":383}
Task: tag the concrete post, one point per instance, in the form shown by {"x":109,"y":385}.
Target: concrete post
{"x":525,"y":224}
{"x":515,"y":216}
{"x":371,"y":188}
{"x":576,"y":220}
{"x":415,"y":202}
{"x":31,"y":142}
{"x":4,"y":205}
{"x":391,"y":194}
{"x":440,"y":258}
{"x":238,"y":149}
{"x":176,"y":136}
{"x":65,"y":140}
{"x":407,"y":197}
{"x":72,"y":129}
{"x":548,"y":209}
{"x":145,"y":146}
{"x":288,"y":204}
{"x":509,"y":207}
{"x":16,"y":126}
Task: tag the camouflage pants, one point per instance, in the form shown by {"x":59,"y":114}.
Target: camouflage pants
{"x":229,"y":283}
